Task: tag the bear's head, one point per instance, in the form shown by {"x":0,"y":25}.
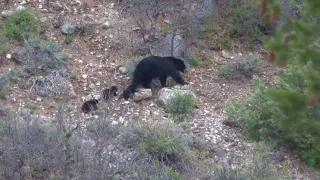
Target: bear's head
{"x":179,"y":64}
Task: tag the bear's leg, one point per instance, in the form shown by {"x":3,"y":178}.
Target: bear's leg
{"x":163,"y":81}
{"x":147,"y":82}
{"x":177,"y":77}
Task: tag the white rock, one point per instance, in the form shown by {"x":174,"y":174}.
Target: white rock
{"x":123,"y":70}
{"x":92,"y":96}
{"x":106,"y":25}
{"x":121,"y":119}
{"x":6,"y":13}
{"x":91,"y":86}
{"x":114,"y":123}
{"x":84,"y":76}
{"x":20,"y":8}
{"x":226,"y":55}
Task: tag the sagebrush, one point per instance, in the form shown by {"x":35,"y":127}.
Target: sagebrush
{"x":240,"y":67}
{"x":40,"y":56}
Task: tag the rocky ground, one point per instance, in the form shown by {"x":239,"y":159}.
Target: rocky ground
{"x":96,"y":59}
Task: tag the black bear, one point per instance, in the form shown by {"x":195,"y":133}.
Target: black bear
{"x":89,"y":106}
{"x":155,"y":67}
{"x":109,"y":92}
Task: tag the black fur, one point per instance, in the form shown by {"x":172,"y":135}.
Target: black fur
{"x":109,"y":92}
{"x":89,"y":105}
{"x":155,"y":67}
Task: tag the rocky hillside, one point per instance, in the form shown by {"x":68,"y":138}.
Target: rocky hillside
{"x":57,"y":54}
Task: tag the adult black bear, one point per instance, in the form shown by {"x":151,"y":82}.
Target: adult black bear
{"x":155,"y":67}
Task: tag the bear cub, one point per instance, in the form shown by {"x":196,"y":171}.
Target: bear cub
{"x":155,"y":67}
{"x":109,"y":92}
{"x":89,"y":106}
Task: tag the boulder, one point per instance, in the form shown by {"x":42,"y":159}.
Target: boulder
{"x":163,"y":48}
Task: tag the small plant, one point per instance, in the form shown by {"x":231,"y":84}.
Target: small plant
{"x":21,"y":24}
{"x":69,"y":38}
{"x":225,"y":40}
{"x":3,"y":96}
{"x":165,"y":29}
{"x":74,"y":75}
{"x":4,"y":44}
{"x":194,"y":61}
{"x":181,"y":104}
{"x":242,"y":67}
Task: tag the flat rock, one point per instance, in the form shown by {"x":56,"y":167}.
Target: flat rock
{"x":142,"y":94}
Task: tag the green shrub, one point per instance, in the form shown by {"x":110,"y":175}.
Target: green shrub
{"x":181,"y":104}
{"x":42,"y":56}
{"x":21,"y":24}
{"x":260,"y":114}
{"x":242,"y":67}
{"x":194,"y":61}
{"x":167,"y":146}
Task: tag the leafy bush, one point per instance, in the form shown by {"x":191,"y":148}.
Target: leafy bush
{"x":21,"y":24}
{"x":260,"y":114}
{"x":242,"y":67}
{"x":44,"y":56}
